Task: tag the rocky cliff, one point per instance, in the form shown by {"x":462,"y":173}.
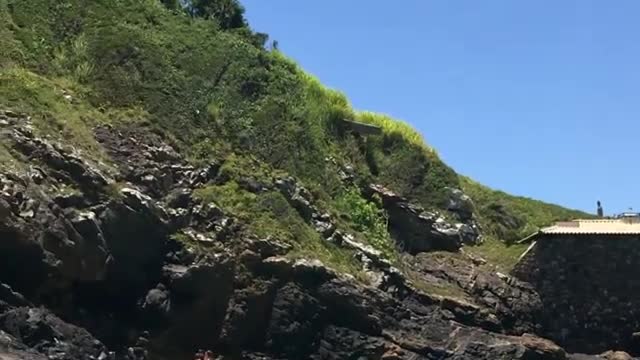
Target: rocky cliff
{"x":91,"y":268}
{"x":169,"y":184}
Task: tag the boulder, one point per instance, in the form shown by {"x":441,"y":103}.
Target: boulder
{"x":39,"y":329}
{"x":416,"y":229}
{"x":460,"y":203}
{"x":296,"y":322}
{"x":616,"y":355}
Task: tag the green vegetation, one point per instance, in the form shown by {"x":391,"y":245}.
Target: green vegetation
{"x":368,"y":219}
{"x":205,"y":79}
{"x":511,"y":218}
{"x":7,"y":160}
{"x":502,"y":255}
{"x":269,"y":214}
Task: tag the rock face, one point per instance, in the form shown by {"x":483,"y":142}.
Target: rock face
{"x":418,"y":230}
{"x":493,"y":300}
{"x":91,"y":268}
{"x":585,"y":285}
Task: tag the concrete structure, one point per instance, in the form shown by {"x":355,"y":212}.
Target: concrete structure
{"x":363,"y":128}
{"x":587,"y":273}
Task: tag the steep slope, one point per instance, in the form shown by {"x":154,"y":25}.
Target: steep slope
{"x":160,"y":167}
{"x":218,"y":93}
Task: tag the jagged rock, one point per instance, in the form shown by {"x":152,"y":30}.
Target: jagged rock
{"x":302,"y":270}
{"x":105,"y":260}
{"x":297,"y":195}
{"x":12,"y":349}
{"x":68,"y":161}
{"x":413,"y":227}
{"x":43,"y":245}
{"x":252,"y":185}
{"x":499,"y":302}
{"x":207,"y":212}
{"x":296,"y":321}
{"x":460,"y":203}
{"x":95,"y":254}
{"x":136,"y":233}
{"x":349,"y":307}
{"x":41,"y":330}
{"x":269,"y":247}
{"x":71,"y":200}
{"x":157,"y":304}
{"x":203,"y":175}
{"x":616,"y":355}
{"x":199,"y":295}
{"x":469,"y":234}
{"x":179,"y":198}
{"x":248,"y":316}
{"x":143,"y":157}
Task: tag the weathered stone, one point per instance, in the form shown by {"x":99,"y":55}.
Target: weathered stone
{"x":179,"y":198}
{"x":584,"y":291}
{"x":460,"y":203}
{"x":415,"y":229}
{"x":269,"y":247}
{"x":39,"y":329}
{"x":616,"y":355}
{"x":296,"y":322}
{"x":248,"y":316}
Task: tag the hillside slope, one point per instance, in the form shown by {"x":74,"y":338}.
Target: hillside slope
{"x":150,"y":153}
{"x":217,"y":93}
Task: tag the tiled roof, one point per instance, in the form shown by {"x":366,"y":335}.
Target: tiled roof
{"x":623,"y":226}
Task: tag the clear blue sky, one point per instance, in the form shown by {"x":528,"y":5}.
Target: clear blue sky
{"x":539,"y":98}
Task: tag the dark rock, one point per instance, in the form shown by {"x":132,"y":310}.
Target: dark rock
{"x":493,"y":300}
{"x":71,"y":200}
{"x":247,"y":318}
{"x":309,"y":272}
{"x":413,"y":227}
{"x":461,"y":204}
{"x":199,"y":296}
{"x":86,"y":176}
{"x":179,"y":198}
{"x":297,"y":195}
{"x":157,"y":305}
{"x":269,"y":247}
{"x":136,"y":234}
{"x":12,"y":298}
{"x":12,"y":349}
{"x":95,"y":254}
{"x":349,"y":307}
{"x":296,"y":322}
{"x":41,"y":330}
{"x":252,"y":185}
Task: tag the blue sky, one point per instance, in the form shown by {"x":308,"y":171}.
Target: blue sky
{"x":539,"y":98}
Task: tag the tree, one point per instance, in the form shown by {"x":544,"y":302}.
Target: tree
{"x":228,"y":13}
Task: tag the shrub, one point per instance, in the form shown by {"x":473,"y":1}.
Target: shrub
{"x":368,"y":219}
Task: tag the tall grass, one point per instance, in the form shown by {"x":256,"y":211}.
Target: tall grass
{"x":390,"y":125}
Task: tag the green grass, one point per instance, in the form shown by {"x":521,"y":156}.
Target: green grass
{"x":369,"y":220}
{"x":269,"y":214}
{"x":391,"y":126}
{"x":8,"y":161}
{"x":219,"y":95}
{"x":59,"y":110}
{"x":498,"y":253}
{"x":441,"y":288}
{"x":511,"y":218}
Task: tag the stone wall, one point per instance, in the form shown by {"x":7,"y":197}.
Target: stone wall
{"x":589,"y":287}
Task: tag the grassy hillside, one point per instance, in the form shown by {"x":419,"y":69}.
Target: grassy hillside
{"x":208,"y":81}
{"x":511,"y":218}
